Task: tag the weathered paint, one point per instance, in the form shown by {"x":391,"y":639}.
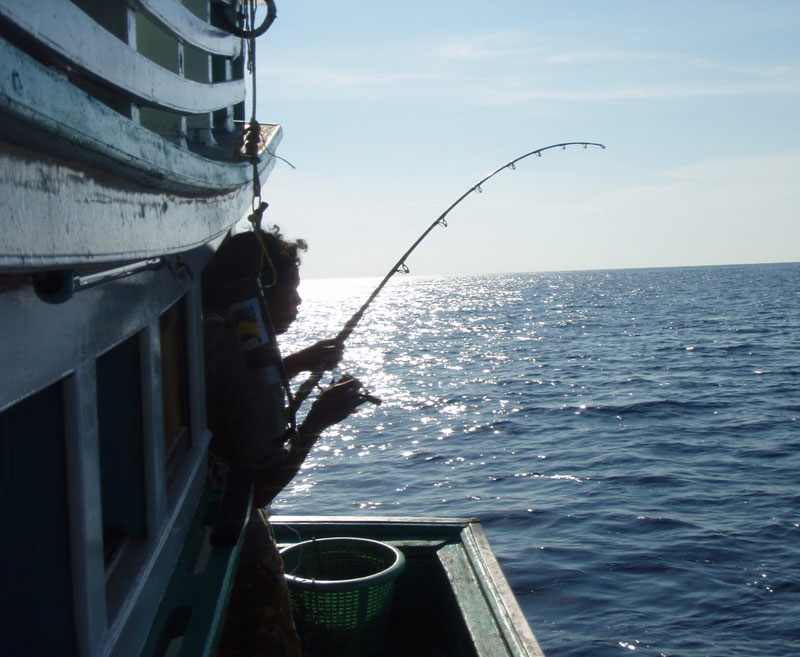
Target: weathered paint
{"x":45,"y":112}
{"x":57,"y":216}
{"x":72,"y":34}
{"x":43,"y":343}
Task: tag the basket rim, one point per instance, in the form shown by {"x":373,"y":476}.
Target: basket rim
{"x":388,"y":573}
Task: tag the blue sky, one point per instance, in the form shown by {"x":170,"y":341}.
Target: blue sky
{"x":392,"y":110}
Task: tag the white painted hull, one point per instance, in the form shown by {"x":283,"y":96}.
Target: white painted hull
{"x":118,"y":146}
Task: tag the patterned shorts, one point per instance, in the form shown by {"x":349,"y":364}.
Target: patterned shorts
{"x":259,"y":621}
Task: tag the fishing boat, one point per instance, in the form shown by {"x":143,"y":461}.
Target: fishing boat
{"x":126,"y":159}
{"x":120,"y":150}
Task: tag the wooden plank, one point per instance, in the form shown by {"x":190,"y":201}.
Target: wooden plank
{"x":498,"y":593}
{"x":70,"y":33}
{"x":70,"y":333}
{"x":85,"y":509}
{"x":190,"y":29}
{"x":192,"y":611}
{"x":412,"y":521}
{"x":54,"y":216}
{"x":427,"y":531}
{"x":45,"y":112}
{"x":486,"y":635}
{"x":150,"y":573}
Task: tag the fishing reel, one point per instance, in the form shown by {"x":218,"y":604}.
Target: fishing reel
{"x":361,"y":396}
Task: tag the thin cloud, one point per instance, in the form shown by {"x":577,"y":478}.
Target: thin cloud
{"x":481,"y":47}
{"x":509,"y":96}
{"x":342,"y":78}
{"x":578,"y":57}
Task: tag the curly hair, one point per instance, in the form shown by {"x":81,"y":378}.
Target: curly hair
{"x":281,"y":249}
{"x":242,"y":256}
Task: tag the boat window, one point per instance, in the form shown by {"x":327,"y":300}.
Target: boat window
{"x":175,"y":386}
{"x":162,"y":48}
{"x":120,"y":427}
{"x":34,"y":536}
{"x":196,"y":64}
{"x":113,"y":16}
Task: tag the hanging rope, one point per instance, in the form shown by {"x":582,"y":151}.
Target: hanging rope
{"x":253,"y":143}
{"x":252,"y":133}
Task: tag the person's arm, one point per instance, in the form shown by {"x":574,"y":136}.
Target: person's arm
{"x":327,"y":353}
{"x":331,"y":407}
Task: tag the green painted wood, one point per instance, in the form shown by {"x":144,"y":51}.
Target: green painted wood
{"x":409,"y":531}
{"x":488,"y":639}
{"x":191,"y":615}
{"x":452,"y":566}
{"x":498,"y":594}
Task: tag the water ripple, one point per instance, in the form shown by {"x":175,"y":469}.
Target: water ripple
{"x":629,"y":439}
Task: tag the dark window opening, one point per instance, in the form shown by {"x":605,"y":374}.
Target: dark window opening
{"x":175,"y":386}
{"x":36,"y":596}
{"x":120,"y":426}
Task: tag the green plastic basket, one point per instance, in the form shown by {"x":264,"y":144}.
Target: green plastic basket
{"x":341,"y":593}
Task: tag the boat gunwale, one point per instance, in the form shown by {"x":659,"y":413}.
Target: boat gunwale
{"x":142,"y":156}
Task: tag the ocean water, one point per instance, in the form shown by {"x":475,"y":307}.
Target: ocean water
{"x":630,"y":440}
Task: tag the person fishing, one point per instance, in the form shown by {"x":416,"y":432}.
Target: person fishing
{"x":246,"y":413}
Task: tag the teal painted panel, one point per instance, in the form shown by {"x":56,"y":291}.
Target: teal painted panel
{"x":478,"y":616}
{"x":36,"y":612}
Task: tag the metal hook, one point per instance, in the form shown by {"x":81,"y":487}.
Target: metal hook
{"x":181,"y":271}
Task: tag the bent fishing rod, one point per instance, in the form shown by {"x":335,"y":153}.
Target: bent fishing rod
{"x":400,"y":266}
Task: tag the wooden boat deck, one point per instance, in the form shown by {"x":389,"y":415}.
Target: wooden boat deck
{"x":452,"y":600}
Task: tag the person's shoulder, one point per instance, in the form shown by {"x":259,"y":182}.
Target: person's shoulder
{"x":213,"y":326}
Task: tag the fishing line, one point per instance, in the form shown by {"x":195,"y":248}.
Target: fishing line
{"x":400,"y":266}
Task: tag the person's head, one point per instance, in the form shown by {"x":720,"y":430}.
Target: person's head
{"x":242,"y":256}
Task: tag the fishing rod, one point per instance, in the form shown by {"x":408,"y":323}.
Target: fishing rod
{"x":400,"y":266}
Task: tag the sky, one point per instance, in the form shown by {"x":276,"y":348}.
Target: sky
{"x":391,"y":111}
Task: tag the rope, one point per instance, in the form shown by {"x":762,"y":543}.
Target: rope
{"x":252,"y":146}
{"x":249,"y":31}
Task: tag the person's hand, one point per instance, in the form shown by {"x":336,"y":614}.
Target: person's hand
{"x":325,"y":354}
{"x":336,"y":403}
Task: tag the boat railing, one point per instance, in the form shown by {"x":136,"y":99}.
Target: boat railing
{"x":161,"y":63}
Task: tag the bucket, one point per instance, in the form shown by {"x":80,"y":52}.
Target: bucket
{"x":341,"y":593}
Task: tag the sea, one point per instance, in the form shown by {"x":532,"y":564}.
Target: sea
{"x":630,"y":440}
